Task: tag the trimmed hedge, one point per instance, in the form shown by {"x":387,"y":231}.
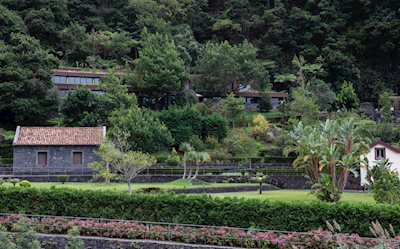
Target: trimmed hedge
{"x":197,"y":209}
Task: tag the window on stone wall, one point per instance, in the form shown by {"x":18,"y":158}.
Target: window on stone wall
{"x":42,"y":158}
{"x":77,"y":158}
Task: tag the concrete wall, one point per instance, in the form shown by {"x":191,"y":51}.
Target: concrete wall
{"x":391,"y":155}
{"x":59,"y":160}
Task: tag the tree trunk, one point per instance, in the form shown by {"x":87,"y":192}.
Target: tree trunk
{"x":344,"y":176}
{"x":190,"y":172}
{"x":260,"y":189}
{"x":107,"y":179}
{"x":196,"y":173}
{"x":184,"y":168}
{"x":129,"y":187}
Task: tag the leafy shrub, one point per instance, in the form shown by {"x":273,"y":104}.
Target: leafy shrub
{"x":386,"y":184}
{"x":173,"y":159}
{"x":146,"y":132}
{"x":214,"y":125}
{"x":2,"y":181}
{"x":212,"y":143}
{"x":201,"y":107}
{"x":243,"y":120}
{"x":325,"y":190}
{"x":230,"y":180}
{"x":25,"y":183}
{"x":182,"y":123}
{"x":196,"y":142}
{"x":186,"y":97}
{"x":63,"y":178}
{"x":73,"y":241}
{"x":14,"y":181}
{"x":198,"y":209}
{"x":151,"y":190}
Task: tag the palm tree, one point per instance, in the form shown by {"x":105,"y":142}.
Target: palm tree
{"x":197,"y":158}
{"x":260,"y":180}
{"x":185,"y":147}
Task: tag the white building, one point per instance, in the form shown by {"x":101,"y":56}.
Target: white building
{"x":380,"y":151}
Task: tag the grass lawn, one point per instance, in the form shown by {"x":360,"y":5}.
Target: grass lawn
{"x":177,"y":184}
{"x":298,"y":195}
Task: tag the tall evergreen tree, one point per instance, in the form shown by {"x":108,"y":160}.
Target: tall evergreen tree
{"x":159,"y":69}
{"x":25,"y":84}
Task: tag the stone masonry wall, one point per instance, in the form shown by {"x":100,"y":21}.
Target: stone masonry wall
{"x":59,"y":160}
{"x":59,"y":241}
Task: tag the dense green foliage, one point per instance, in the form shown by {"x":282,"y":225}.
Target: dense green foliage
{"x":186,"y":122}
{"x":197,"y":209}
{"x":81,"y":107}
{"x":25,"y":68}
{"x":146,"y":132}
{"x":228,"y":42}
{"x":385,"y":183}
{"x":182,"y":123}
{"x":214,"y":126}
{"x":223,"y":66}
{"x":159,"y":70}
{"x":347,"y":98}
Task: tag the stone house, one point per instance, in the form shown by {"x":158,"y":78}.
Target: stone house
{"x":56,"y":150}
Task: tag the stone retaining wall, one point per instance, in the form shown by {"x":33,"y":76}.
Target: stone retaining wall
{"x":223,"y":189}
{"x":50,"y":241}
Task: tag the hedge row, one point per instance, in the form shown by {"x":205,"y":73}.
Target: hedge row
{"x":197,"y":209}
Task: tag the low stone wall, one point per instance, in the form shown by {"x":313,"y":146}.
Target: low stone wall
{"x":50,"y":241}
{"x":6,"y":169}
{"x":223,"y":189}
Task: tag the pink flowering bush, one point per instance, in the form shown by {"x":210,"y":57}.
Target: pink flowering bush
{"x":220,"y":236}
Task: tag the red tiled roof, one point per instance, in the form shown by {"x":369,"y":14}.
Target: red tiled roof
{"x":59,"y":135}
{"x":387,"y":145}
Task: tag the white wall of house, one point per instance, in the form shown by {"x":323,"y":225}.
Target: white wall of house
{"x":394,"y":158}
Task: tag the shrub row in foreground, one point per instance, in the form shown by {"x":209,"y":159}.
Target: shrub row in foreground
{"x":197,"y":209}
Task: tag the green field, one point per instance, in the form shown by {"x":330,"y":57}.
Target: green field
{"x":178,"y":184}
{"x":298,"y":195}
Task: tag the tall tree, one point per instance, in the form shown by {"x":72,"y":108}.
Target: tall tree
{"x":347,"y":98}
{"x":81,"y":107}
{"x":386,"y":104}
{"x":25,"y":84}
{"x":223,"y":67}
{"x":159,"y":69}
{"x":198,"y":158}
{"x":10,"y":22}
{"x":234,"y":108}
